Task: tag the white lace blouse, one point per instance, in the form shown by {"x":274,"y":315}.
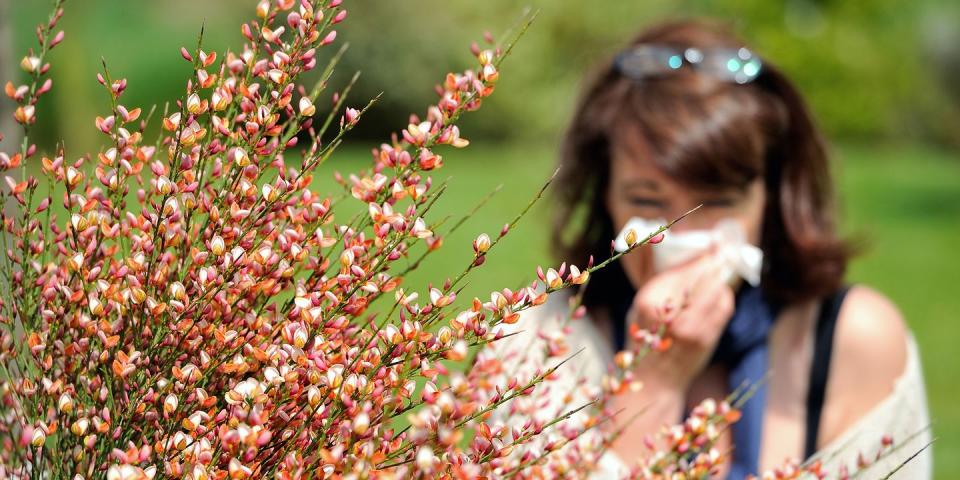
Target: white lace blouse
{"x":903,"y":415}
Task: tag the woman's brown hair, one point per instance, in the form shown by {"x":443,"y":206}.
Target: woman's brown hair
{"x":704,"y":132}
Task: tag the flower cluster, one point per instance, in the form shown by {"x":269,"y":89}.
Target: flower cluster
{"x":202,"y":312}
{"x":191,"y":307}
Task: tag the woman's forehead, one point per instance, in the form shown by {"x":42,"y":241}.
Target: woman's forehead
{"x":632,"y":172}
{"x":633,"y":164}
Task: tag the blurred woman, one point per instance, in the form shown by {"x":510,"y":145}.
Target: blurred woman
{"x":687,"y":115}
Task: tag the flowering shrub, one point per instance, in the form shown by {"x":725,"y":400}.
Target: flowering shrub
{"x":203,"y":313}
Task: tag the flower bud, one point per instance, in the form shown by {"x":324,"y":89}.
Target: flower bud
{"x":239,"y":156}
{"x":327,"y":40}
{"x":178,"y":291}
{"x":238,"y":471}
{"x":490,"y":73}
{"x":138,"y":295}
{"x":263,"y":8}
{"x":30,"y":64}
{"x":38,"y":438}
{"x":74,"y":176}
{"x":300,"y":337}
{"x":172,"y":122}
{"x":220,"y":100}
{"x":170,"y":403}
{"x":79,"y":428}
{"x":193,"y":421}
{"x":481,"y":244}
{"x":57,"y":39}
{"x":75,"y":262}
{"x":277,"y":76}
{"x":25,"y":114}
{"x":217,"y":245}
{"x":307,"y":108}
{"x":195,"y":105}
{"x":425,"y":458}
{"x":65,"y":403}
{"x":346,"y":258}
{"x":577,"y":277}
{"x":553,"y":279}
{"x":164,"y":186}
{"x":270,"y":193}
{"x":486,"y":57}
{"x":351,"y":114}
{"x":361,"y":423}
{"x":313,"y":396}
{"x":623,"y":359}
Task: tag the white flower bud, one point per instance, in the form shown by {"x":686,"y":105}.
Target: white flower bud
{"x":307,"y":108}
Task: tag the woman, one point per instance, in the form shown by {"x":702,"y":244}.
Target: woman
{"x":687,"y":116}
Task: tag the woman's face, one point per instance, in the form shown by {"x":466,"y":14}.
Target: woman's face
{"x":638,"y":188}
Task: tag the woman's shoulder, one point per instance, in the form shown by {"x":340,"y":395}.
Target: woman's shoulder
{"x":876,"y":390}
{"x":875,"y":384}
{"x":868,"y":320}
{"x":870,"y":349}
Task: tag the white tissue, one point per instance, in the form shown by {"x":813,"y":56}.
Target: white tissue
{"x":740,"y":258}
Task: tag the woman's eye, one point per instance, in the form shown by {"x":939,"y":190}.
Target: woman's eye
{"x":718,"y":202}
{"x":646,"y":202}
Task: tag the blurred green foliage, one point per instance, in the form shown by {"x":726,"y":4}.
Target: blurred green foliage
{"x":868,"y":68}
{"x":137,"y":40}
{"x":884,"y":68}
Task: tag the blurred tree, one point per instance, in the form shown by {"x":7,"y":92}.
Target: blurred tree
{"x":940,"y":29}
{"x":862,"y":65}
{"x":867,"y":68}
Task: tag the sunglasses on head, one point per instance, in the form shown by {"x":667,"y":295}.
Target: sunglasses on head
{"x":737,"y":65}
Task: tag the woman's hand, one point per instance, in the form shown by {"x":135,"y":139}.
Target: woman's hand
{"x":696,"y":302}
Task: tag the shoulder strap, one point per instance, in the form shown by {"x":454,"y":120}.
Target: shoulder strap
{"x":820,"y":367}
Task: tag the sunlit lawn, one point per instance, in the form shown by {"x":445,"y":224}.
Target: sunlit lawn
{"x":904,"y":201}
